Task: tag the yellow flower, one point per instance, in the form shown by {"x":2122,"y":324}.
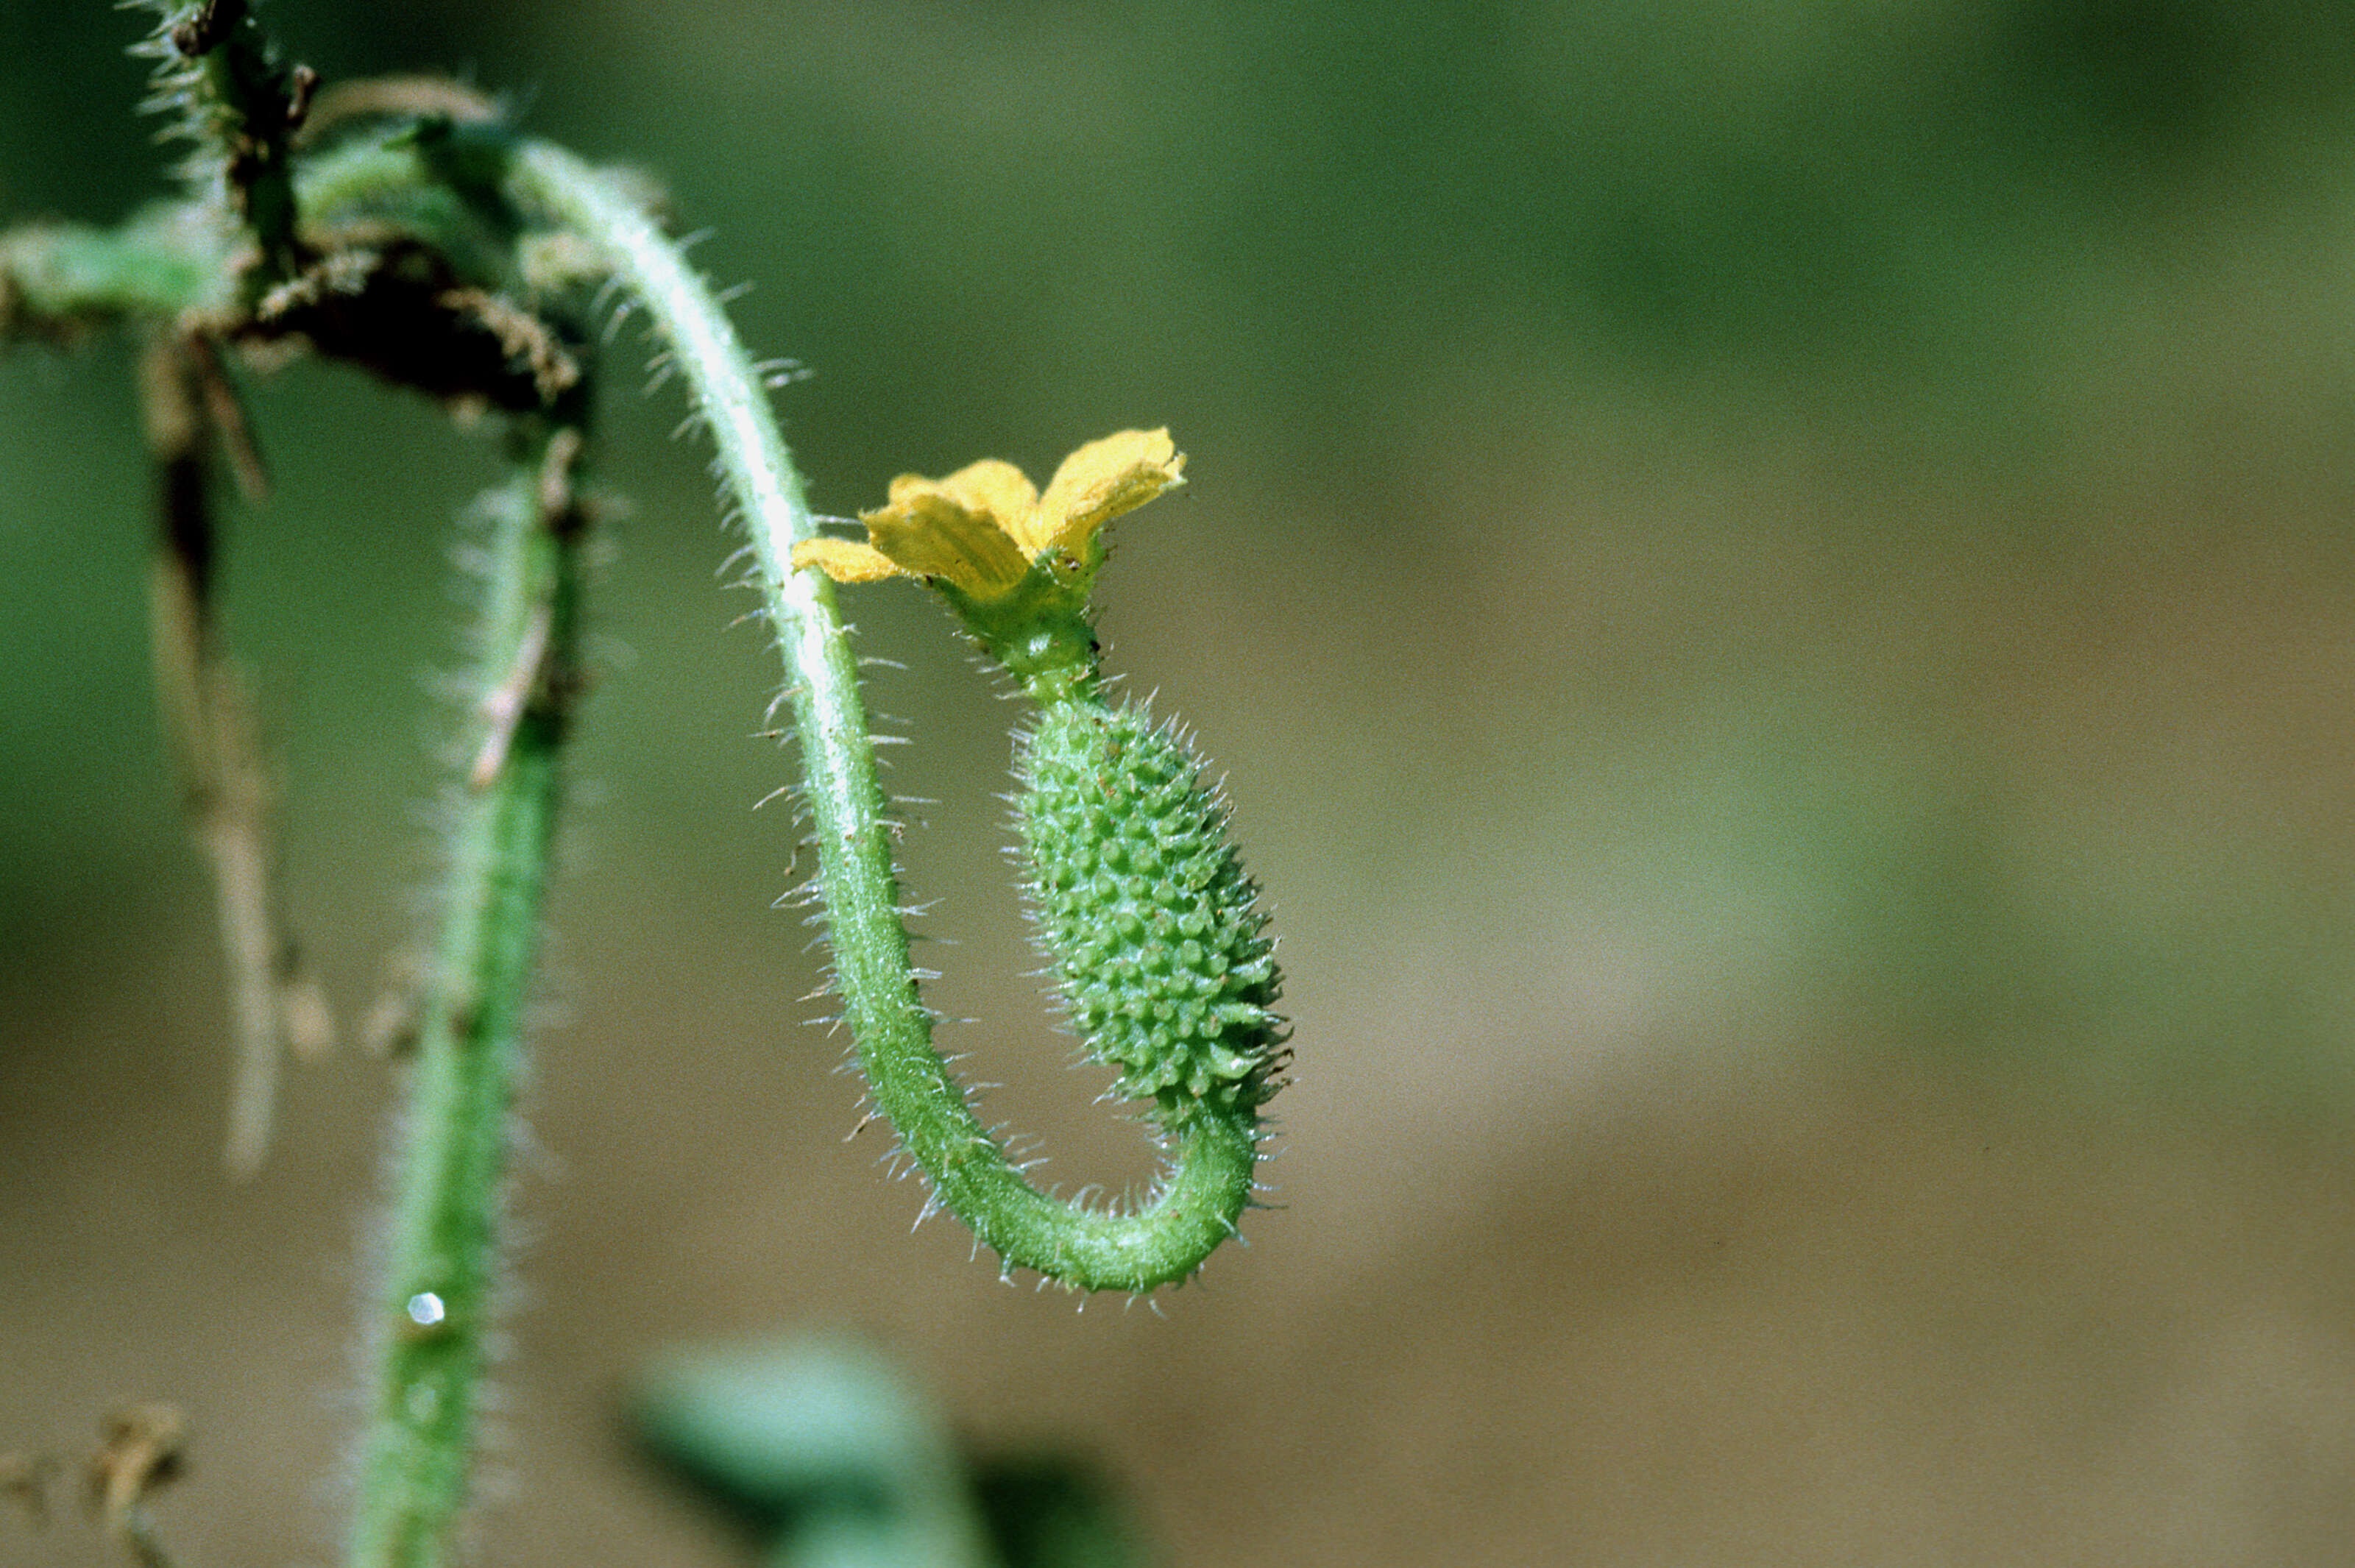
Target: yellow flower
{"x":983,"y":528}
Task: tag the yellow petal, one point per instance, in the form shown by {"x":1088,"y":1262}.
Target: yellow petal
{"x":846,"y":561}
{"x":991,"y":488}
{"x":928,"y":532}
{"x":1101,"y":481}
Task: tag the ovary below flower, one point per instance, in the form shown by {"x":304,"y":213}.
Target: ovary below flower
{"x":984,"y":529}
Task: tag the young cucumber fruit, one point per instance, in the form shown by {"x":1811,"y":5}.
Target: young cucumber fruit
{"x":1144,"y":911}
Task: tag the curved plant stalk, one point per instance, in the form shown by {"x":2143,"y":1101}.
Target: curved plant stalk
{"x":1212,"y":1155}
{"x":435,"y":1298}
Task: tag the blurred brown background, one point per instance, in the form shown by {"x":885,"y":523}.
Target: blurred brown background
{"x":1772,"y":583}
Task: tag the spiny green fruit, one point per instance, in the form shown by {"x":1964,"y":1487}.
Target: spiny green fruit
{"x":1144,"y":911}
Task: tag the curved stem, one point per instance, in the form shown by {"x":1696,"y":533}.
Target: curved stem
{"x":1209,"y":1178}
{"x":435,"y":1304}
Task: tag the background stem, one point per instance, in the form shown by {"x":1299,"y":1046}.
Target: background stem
{"x":436,"y":1300}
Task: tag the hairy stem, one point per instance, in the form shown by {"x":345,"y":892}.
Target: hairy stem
{"x":1209,"y":1178}
{"x":57,"y":278}
{"x":238,"y":107}
{"x":435,"y":1301}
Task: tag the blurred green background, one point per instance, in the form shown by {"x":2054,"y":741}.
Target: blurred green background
{"x":1772,"y":583}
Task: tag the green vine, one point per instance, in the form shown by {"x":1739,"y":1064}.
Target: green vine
{"x":1209,"y":1178}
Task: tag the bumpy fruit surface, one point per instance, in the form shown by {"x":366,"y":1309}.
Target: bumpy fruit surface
{"x":1146,"y":914}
